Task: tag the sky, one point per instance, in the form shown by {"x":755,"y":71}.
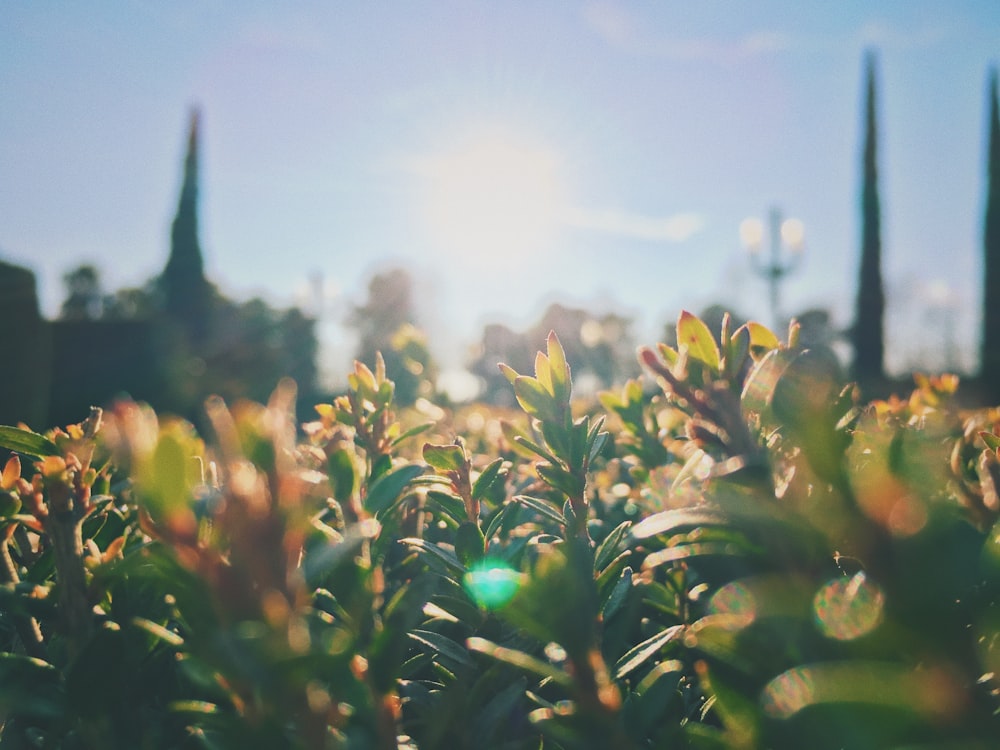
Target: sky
{"x":507,"y":154}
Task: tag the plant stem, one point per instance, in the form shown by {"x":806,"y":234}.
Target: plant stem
{"x":27,"y":627}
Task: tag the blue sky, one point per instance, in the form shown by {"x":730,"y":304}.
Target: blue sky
{"x":624,"y":142}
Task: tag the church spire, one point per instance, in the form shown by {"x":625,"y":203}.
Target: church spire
{"x":990,"y":343}
{"x":186,"y":291}
{"x":867,"y":333}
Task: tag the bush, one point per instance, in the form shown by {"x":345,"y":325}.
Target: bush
{"x":730,"y":552}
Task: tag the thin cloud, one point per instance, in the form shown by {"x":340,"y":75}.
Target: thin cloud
{"x":675,"y":228}
{"x":619,"y":26}
{"x":878,"y":33}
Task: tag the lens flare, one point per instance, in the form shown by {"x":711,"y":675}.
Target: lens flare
{"x":492,"y":583}
{"x":848,"y":608}
{"x":736,"y":600}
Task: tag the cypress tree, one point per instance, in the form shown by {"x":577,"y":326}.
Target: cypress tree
{"x":186,"y":291}
{"x":990,"y":351}
{"x":867,"y":332}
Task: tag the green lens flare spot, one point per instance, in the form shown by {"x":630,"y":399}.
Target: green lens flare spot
{"x":491,"y":583}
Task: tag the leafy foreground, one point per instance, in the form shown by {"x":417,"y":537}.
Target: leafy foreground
{"x":729,"y":553}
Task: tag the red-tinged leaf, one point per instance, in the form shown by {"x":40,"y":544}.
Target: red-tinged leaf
{"x":11,"y":473}
{"x":694,"y":335}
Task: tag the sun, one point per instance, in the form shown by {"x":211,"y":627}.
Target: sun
{"x":492,"y":195}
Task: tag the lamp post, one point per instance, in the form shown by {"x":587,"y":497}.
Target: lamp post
{"x":787,"y":242}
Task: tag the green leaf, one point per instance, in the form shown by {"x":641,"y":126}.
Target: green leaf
{"x":448,"y":504}
{"x":737,"y":351}
{"x":643,"y":652}
{"x":508,"y":372}
{"x":695,"y":549}
{"x":29,"y":687}
{"x":498,"y":518}
{"x":668,"y":354}
{"x":738,"y":712}
{"x":990,"y":440}
{"x":881,"y":684}
{"x":695,"y":336}
{"x":445,"y":457}
{"x":542,"y":507}
{"x":412,"y":432}
{"x":535,"y":399}
{"x":158,"y":631}
{"x":618,"y":595}
{"x":27,"y":442}
{"x":608,"y":549}
{"x":520,"y":660}
{"x":543,"y":373}
{"x":343,"y":475}
{"x":762,"y":339}
{"x":447,"y":557}
{"x":386,"y":490}
{"x":560,"y":479}
{"x":486,"y":479}
{"x":758,"y":391}
{"x":516,"y":437}
{"x":499,"y":711}
{"x":672,"y":520}
{"x":10,"y":504}
{"x":470,"y":545}
{"x":165,"y":482}
{"x":656,"y":700}
{"x":535,"y":448}
{"x":559,"y":369}
{"x":390,"y":645}
{"x":442,"y":645}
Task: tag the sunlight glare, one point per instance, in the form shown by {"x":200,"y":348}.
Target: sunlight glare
{"x":492,"y":196}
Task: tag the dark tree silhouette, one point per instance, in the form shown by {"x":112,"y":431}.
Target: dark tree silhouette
{"x":386,"y":324}
{"x":187,"y":294}
{"x":389,"y":306}
{"x":26,"y":342}
{"x":175,"y":340}
{"x":867,"y":332}
{"x":84,"y":299}
{"x":599,"y":348}
{"x":990,"y":351}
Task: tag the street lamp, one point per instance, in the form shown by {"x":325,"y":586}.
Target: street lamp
{"x":787,"y":242}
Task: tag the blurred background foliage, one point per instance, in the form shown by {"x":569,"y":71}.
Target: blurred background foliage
{"x":731,"y":550}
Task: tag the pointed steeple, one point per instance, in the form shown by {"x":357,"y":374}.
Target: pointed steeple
{"x":990,"y":344}
{"x":186,"y":291}
{"x":867,"y":332}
